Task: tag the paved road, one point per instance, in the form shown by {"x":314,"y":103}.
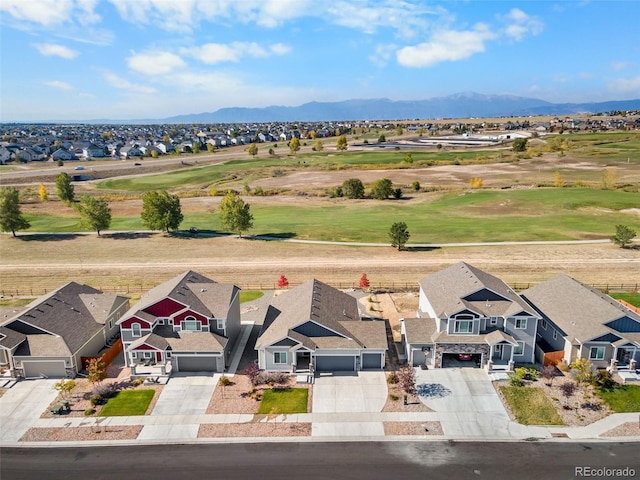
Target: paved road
{"x":358,"y":460}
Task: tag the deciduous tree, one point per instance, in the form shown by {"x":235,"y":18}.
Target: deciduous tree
{"x":623,"y":236}
{"x":283,"y":282}
{"x":11,"y":218}
{"x":353,"y":188}
{"x":382,"y":189}
{"x":364,"y":281}
{"x":558,"y":182}
{"x":161,"y":211}
{"x":42,"y":192}
{"x":64,"y":189}
{"x":520,"y":145}
{"x":341,"y":143}
{"x":96,"y":371}
{"x":235,"y":214}
{"x":94,"y":213}
{"x":319,"y":146}
{"x":294,"y":145}
{"x":252,"y":150}
{"x":399,"y":235}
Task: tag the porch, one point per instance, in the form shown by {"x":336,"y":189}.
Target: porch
{"x":152,"y":370}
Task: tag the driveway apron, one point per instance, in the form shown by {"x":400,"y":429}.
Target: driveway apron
{"x":186,"y":395}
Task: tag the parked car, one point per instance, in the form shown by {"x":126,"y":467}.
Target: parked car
{"x":193,"y":231}
{"x":79,"y":167}
{"x":465,"y":357}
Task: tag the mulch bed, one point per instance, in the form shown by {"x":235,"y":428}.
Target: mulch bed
{"x":80,"y":434}
{"x":265,"y":429}
{"x":412,"y":428}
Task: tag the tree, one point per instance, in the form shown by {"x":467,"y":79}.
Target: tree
{"x":252,"y":150}
{"x":11,"y":218}
{"x":382,"y":189}
{"x":520,"y":145}
{"x":271,"y":152}
{"x":161,"y":211}
{"x":195,"y":148}
{"x":235,"y":214}
{"x":609,"y":178}
{"x":353,"y":188}
{"x":65,"y":387}
{"x":382,"y":138}
{"x":96,"y":371}
{"x":624,"y":235}
{"x":549,"y":373}
{"x":407,"y":380}
{"x":319,"y":146}
{"x":558,"y":182}
{"x":42,"y":191}
{"x":294,"y":145}
{"x":154,"y":153}
{"x":211,"y":147}
{"x":364,"y":281}
{"x":283,"y":282}
{"x":567,"y":389}
{"x":94,"y":213}
{"x":475,"y":182}
{"x":341,"y":143}
{"x":582,"y":370}
{"x":64,"y":189}
{"x":416,"y":186}
{"x":399,"y":235}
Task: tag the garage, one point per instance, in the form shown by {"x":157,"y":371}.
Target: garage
{"x":199,"y":363}
{"x":46,"y":368}
{"x":334,"y":363}
{"x":461,"y":360}
{"x":372,"y":361}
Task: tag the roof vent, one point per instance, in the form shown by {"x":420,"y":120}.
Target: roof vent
{"x":203,"y":290}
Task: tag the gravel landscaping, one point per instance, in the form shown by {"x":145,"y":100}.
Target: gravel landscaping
{"x":81,"y":434}
{"x":629,"y":429}
{"x":415,"y":405}
{"x":263,"y":429}
{"x":412,"y":428}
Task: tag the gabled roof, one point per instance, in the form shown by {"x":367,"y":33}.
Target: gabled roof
{"x":330,"y":309}
{"x":452,"y":290}
{"x":578,"y":310}
{"x":74,"y":312}
{"x":196,"y":291}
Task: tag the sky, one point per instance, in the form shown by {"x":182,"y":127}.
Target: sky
{"x":77,"y":60}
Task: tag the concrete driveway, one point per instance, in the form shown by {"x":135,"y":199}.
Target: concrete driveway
{"x":186,"y":395}
{"x":348,"y":392}
{"x":466,"y":401}
{"x":22,"y":405}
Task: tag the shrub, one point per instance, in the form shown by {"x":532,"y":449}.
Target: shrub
{"x":137,"y":382}
{"x":270,"y":378}
{"x":549,"y":373}
{"x":96,"y":399}
{"x":89,"y":411}
{"x":562,"y":366}
{"x":415,"y":186}
{"x":515,"y":381}
{"x":392,"y":378}
{"x":393,"y":397}
{"x":252,"y":371}
{"x":603,"y":379}
{"x":224,"y":381}
{"x":104,"y":390}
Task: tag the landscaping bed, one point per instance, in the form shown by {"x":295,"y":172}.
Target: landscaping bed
{"x":81,"y":434}
{"x":629,"y":429}
{"x":263,"y":429}
{"x":412,"y":428}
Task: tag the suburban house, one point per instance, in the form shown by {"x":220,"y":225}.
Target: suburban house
{"x":188,"y":323}
{"x":315,"y":327}
{"x":52,"y":334}
{"x":468,"y":315}
{"x":581,"y":322}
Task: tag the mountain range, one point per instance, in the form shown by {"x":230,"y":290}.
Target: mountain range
{"x":461,"y":105}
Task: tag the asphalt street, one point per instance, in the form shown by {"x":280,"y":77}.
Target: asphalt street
{"x":330,"y":460}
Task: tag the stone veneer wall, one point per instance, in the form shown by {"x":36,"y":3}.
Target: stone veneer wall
{"x":472,"y":348}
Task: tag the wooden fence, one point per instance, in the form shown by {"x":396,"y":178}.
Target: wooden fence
{"x":107,"y":357}
{"x":552,"y":358}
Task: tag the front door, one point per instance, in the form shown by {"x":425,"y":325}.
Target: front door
{"x":497,"y":351}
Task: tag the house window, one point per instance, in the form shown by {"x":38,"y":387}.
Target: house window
{"x":543,"y":324}
{"x":167,"y":354}
{"x":519,"y":350}
{"x":463,"y":326}
{"x":135,"y":330}
{"x":555,"y":335}
{"x":596,"y":353}
{"x":220,"y":324}
{"x":171,"y":321}
{"x":134,"y":355}
{"x":493,"y":321}
{"x":111,"y":323}
{"x":147,"y":354}
{"x":521,"y":323}
{"x":190,"y":324}
{"x":280,"y":357}
{"x":161,"y":321}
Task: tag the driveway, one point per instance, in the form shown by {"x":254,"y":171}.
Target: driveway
{"x":466,"y":401}
{"x":348,"y":392}
{"x":186,"y":395}
{"x":22,"y":405}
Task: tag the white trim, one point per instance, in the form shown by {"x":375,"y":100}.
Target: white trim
{"x":133,"y":330}
{"x":515,"y":323}
{"x":275,"y":362}
{"x":598,"y":349}
{"x":515,"y":354}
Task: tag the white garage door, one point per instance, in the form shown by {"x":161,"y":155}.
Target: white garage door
{"x":48,"y":369}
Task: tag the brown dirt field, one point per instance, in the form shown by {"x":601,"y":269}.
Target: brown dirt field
{"x":136,"y":262}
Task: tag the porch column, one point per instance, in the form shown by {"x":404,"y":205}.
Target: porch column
{"x":511,"y":362}
{"x":614,"y":365}
{"x":133,"y":369}
{"x":632,"y":364}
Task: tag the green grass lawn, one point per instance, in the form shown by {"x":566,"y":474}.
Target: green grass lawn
{"x":622,"y":398}
{"x":284,"y":400}
{"x":250,"y":295}
{"x":632,"y":298}
{"x":531,"y":406}
{"x":128,"y":402}
{"x":15,"y":302}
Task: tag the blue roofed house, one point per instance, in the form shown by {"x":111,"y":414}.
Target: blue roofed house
{"x":468,"y":315}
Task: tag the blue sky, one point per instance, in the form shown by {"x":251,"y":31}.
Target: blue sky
{"x":134,"y":59}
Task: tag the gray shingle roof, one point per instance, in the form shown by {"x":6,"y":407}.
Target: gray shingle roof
{"x":164,"y":338}
{"x":578,"y":310}
{"x":448,"y":288}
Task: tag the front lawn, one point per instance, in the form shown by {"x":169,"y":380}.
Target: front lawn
{"x":128,"y":402}
{"x":284,"y":400}
{"x":530,"y":406}
{"x":622,"y":398}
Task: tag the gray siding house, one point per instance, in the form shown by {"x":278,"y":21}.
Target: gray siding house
{"x":581,"y":322}
{"x":51,"y":335}
{"x":316,"y":327}
{"x":189,"y":323}
{"x":467,"y":314}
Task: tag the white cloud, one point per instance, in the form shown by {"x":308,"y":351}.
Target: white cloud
{"x":154,"y":63}
{"x":625,"y":86}
{"x":52,"y":49}
{"x":212,"y":53}
{"x":59,"y":84}
{"x":49,"y":13}
{"x":521,"y":24}
{"x":124,"y":84}
{"x":617,"y":66}
{"x":383,"y":54}
{"x":446,"y":46}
